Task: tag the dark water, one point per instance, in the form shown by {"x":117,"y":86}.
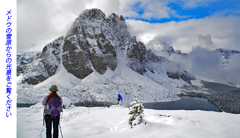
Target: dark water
{"x":186,"y":103}
{"x":19,"y":105}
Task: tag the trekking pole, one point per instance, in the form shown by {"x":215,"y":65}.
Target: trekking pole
{"x":60,"y":129}
{"x":43,"y":117}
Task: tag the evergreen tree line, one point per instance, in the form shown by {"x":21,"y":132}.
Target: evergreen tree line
{"x":227,"y":101}
{"x":225,"y":97}
{"x":93,"y":103}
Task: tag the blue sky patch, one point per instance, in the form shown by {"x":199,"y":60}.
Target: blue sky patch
{"x":220,"y":8}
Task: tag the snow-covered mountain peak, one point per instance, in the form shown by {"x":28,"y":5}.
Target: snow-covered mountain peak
{"x":98,"y":58}
{"x":92,"y":44}
{"x":92,"y":15}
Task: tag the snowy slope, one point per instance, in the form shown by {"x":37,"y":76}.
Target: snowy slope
{"x":34,"y":93}
{"x":100,"y":122}
{"x":61,"y":78}
{"x":105,"y":87}
{"x":126,"y":82}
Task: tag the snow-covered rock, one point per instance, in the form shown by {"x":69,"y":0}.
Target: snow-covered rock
{"x":42,"y":66}
{"x":67,"y":103}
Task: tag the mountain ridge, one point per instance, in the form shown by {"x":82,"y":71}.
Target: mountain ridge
{"x":92,"y":44}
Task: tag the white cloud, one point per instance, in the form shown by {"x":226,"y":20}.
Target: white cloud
{"x":160,"y":43}
{"x":233,"y":70}
{"x":39,"y":22}
{"x":223,"y":32}
{"x":205,"y":41}
{"x":147,"y":37}
{"x":155,"y":9}
{"x":196,"y":3}
{"x":206,"y":65}
{"x":107,"y":6}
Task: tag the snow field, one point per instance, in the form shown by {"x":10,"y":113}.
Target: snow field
{"x":101,"y":122}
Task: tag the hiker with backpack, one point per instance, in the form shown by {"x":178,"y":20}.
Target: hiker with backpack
{"x":119,"y":99}
{"x":53,"y":106}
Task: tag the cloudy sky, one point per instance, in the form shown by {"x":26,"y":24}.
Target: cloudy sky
{"x":193,"y":26}
{"x":183,"y":24}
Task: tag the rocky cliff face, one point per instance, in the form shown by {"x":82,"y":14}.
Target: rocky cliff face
{"x":93,"y":43}
{"x":44,"y":65}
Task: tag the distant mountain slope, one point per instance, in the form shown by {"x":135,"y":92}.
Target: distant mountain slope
{"x":217,"y":87}
{"x":23,"y":57}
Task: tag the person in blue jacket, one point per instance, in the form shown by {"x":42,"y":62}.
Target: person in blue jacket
{"x":119,"y":99}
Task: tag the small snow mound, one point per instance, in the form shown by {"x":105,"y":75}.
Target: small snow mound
{"x":116,"y":106}
{"x":61,"y":78}
{"x":159,"y":118}
{"x":67,"y":103}
{"x":122,"y":126}
{"x":37,"y":106}
{"x":94,"y":77}
{"x":109,"y":73}
{"x":19,"y":79}
{"x":197,"y":83}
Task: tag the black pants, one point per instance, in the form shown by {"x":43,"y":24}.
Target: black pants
{"x":49,"y":120}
